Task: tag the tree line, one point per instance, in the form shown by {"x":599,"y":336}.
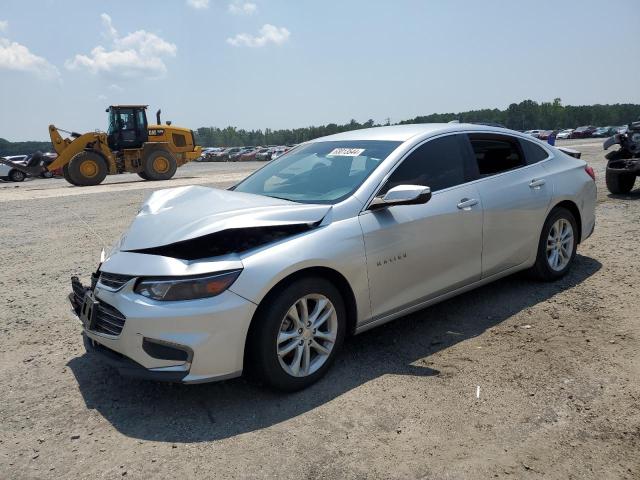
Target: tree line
{"x":525,"y":115}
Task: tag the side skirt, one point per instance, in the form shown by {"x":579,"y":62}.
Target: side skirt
{"x":372,"y":323}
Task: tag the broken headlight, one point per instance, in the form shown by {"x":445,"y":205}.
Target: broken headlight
{"x":186,"y":288}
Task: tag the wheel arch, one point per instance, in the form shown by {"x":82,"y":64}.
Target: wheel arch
{"x":335,"y":277}
{"x":150,"y":147}
{"x":575,"y":211}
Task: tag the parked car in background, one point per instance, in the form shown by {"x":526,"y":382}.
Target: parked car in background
{"x":544,"y":134}
{"x":220,"y":156}
{"x":253,"y":155}
{"x":565,"y":134}
{"x":328,"y":241}
{"x":583,"y":132}
{"x":278,"y":152}
{"x":250,"y":155}
{"x":605,"y":131}
{"x":224,"y":155}
{"x":209,"y":153}
{"x":265,"y":154}
{"x":235,"y":156}
{"x":534,"y":133}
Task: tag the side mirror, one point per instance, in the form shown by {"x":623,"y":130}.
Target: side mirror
{"x":402,"y":195}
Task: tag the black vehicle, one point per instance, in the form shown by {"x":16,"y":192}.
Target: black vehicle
{"x":623,"y":165}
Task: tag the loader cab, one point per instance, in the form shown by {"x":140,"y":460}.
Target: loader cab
{"x":127,"y":126}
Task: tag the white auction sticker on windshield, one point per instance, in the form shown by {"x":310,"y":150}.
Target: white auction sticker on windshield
{"x":346,"y":152}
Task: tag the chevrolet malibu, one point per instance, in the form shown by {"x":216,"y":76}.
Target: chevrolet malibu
{"x":337,"y":236}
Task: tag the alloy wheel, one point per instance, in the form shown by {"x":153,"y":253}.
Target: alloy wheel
{"x":307,"y":335}
{"x":560,"y":244}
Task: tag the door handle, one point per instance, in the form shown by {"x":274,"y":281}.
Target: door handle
{"x":536,"y":183}
{"x":467,"y":203}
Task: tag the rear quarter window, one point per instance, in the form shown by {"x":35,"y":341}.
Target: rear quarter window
{"x":533,"y":153}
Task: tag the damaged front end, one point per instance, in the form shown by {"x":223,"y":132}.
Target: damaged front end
{"x":206,"y":225}
{"x":234,"y":240}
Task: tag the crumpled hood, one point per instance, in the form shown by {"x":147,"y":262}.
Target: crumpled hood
{"x":183,"y":213}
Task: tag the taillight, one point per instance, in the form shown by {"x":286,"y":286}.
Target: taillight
{"x":590,"y":172}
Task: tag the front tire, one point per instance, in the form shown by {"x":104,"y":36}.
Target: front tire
{"x":297,"y":334}
{"x":619,"y":182}
{"x":557,"y":246}
{"x":17,"y":176}
{"x":67,"y":175}
{"x":87,"y":169}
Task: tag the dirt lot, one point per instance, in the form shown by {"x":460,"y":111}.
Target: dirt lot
{"x":558,"y":366}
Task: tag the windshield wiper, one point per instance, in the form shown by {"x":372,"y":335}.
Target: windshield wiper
{"x":280,"y":198}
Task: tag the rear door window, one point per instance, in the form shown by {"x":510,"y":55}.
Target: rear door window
{"x":496,"y":153}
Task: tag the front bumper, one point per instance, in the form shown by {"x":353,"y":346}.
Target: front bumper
{"x":197,"y":340}
{"x":127,"y":367}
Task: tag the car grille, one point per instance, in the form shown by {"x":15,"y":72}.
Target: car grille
{"x":108,"y":320}
{"x":114,"y":281}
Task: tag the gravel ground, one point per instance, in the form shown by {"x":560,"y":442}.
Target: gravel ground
{"x":558,"y":366}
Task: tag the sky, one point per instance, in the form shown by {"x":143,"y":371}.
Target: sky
{"x":296,"y":63}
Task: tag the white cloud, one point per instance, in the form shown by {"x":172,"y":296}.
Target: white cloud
{"x":137,"y":54}
{"x":238,"y":7}
{"x":4,"y":25}
{"x":268,"y":34}
{"x":110,"y":32}
{"x":14,"y":56}
{"x":198,"y":4}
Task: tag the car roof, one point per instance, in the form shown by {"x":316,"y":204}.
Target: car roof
{"x":402,"y":133}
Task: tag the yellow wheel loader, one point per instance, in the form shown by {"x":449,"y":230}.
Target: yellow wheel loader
{"x":154,"y":152}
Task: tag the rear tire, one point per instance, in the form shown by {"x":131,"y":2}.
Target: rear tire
{"x":557,"y":246}
{"x":87,"y":169}
{"x":159,"y":165}
{"x":17,"y":176}
{"x":309,"y":340}
{"x":619,"y":182}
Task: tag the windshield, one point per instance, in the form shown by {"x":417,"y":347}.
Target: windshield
{"x":319,"y":172}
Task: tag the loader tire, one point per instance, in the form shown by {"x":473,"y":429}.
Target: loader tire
{"x":143,"y":175}
{"x":87,"y":169}
{"x":67,"y":176}
{"x":159,"y":165}
{"x":619,"y":182}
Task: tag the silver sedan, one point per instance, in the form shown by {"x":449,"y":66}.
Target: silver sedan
{"x":337,"y":236}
